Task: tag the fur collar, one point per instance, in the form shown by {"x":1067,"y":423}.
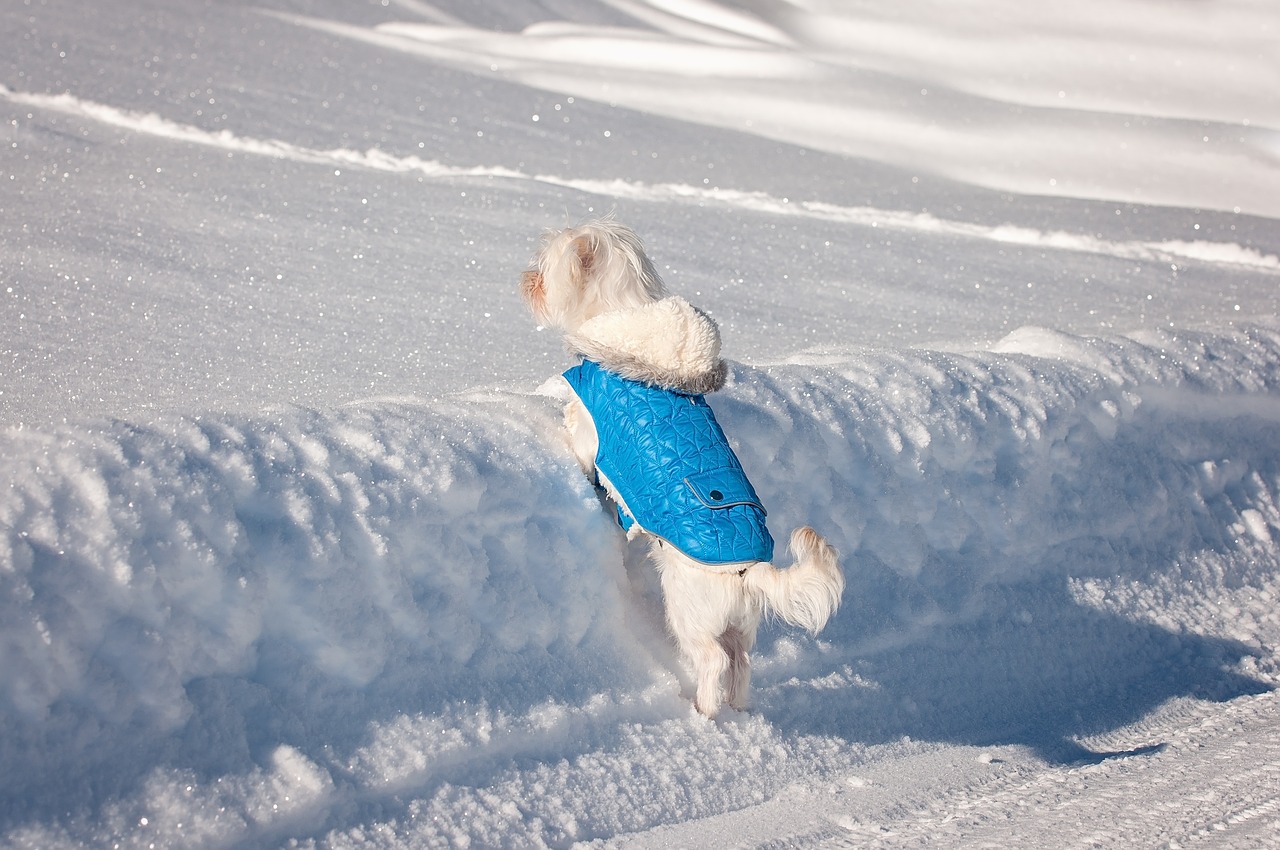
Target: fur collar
{"x":668,"y":344}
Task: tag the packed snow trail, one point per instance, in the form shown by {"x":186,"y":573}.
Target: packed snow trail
{"x":1195,"y":775}
{"x":402,"y":617}
{"x":1201,"y":793}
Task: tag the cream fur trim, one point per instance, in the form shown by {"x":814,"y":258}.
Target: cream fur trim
{"x":667,"y":343}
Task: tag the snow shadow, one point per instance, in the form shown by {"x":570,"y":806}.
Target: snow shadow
{"x":1035,"y":668}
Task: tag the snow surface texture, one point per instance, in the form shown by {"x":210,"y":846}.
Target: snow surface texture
{"x":292,"y":552}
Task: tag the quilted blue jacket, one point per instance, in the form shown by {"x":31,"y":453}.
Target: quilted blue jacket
{"x":666,"y":457}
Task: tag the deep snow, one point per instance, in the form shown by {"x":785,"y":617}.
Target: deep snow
{"x":292,"y":553}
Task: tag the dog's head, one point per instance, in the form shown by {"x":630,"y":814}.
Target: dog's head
{"x":584,"y":271}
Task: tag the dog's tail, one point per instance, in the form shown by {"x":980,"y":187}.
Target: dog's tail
{"x":808,"y":593}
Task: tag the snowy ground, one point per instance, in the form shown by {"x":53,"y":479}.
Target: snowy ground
{"x":291,"y":553}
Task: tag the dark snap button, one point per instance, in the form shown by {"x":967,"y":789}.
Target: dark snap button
{"x":717,"y":495}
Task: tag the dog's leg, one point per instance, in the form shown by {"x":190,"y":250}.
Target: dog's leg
{"x":705,"y":653}
{"x":710,"y":664}
{"x":583,"y":441}
{"x":700,"y":607}
{"x":737,"y":642}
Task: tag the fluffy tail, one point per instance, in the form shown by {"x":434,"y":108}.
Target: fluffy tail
{"x":807,"y":594}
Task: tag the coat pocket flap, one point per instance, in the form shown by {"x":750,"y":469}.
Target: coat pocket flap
{"x":723,"y":488}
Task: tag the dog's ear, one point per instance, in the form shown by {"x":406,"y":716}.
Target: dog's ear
{"x":533,"y":289}
{"x":585,"y":250}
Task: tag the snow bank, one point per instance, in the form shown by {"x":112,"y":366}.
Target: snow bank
{"x":183,"y":575}
{"x":227,"y":629}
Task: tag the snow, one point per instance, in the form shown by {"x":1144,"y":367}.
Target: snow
{"x":292,"y":552}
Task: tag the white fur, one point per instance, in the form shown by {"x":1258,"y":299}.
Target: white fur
{"x":616,"y":276}
{"x":595,"y":283}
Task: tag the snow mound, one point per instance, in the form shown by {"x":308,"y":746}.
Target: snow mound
{"x":234,"y":629}
{"x":151,"y":572}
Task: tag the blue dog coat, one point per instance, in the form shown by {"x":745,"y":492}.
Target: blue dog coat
{"x":666,"y":458}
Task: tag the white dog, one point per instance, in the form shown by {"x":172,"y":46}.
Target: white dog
{"x":640,"y":428}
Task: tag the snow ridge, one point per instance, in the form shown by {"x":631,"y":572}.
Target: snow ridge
{"x":397,"y":601}
{"x":1228,"y":254}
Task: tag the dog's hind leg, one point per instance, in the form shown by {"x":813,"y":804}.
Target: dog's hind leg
{"x":710,"y":663}
{"x":701,"y":607}
{"x":696,"y":626}
{"x":737,"y":646}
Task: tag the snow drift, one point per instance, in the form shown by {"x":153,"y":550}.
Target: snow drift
{"x":222,"y":629}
